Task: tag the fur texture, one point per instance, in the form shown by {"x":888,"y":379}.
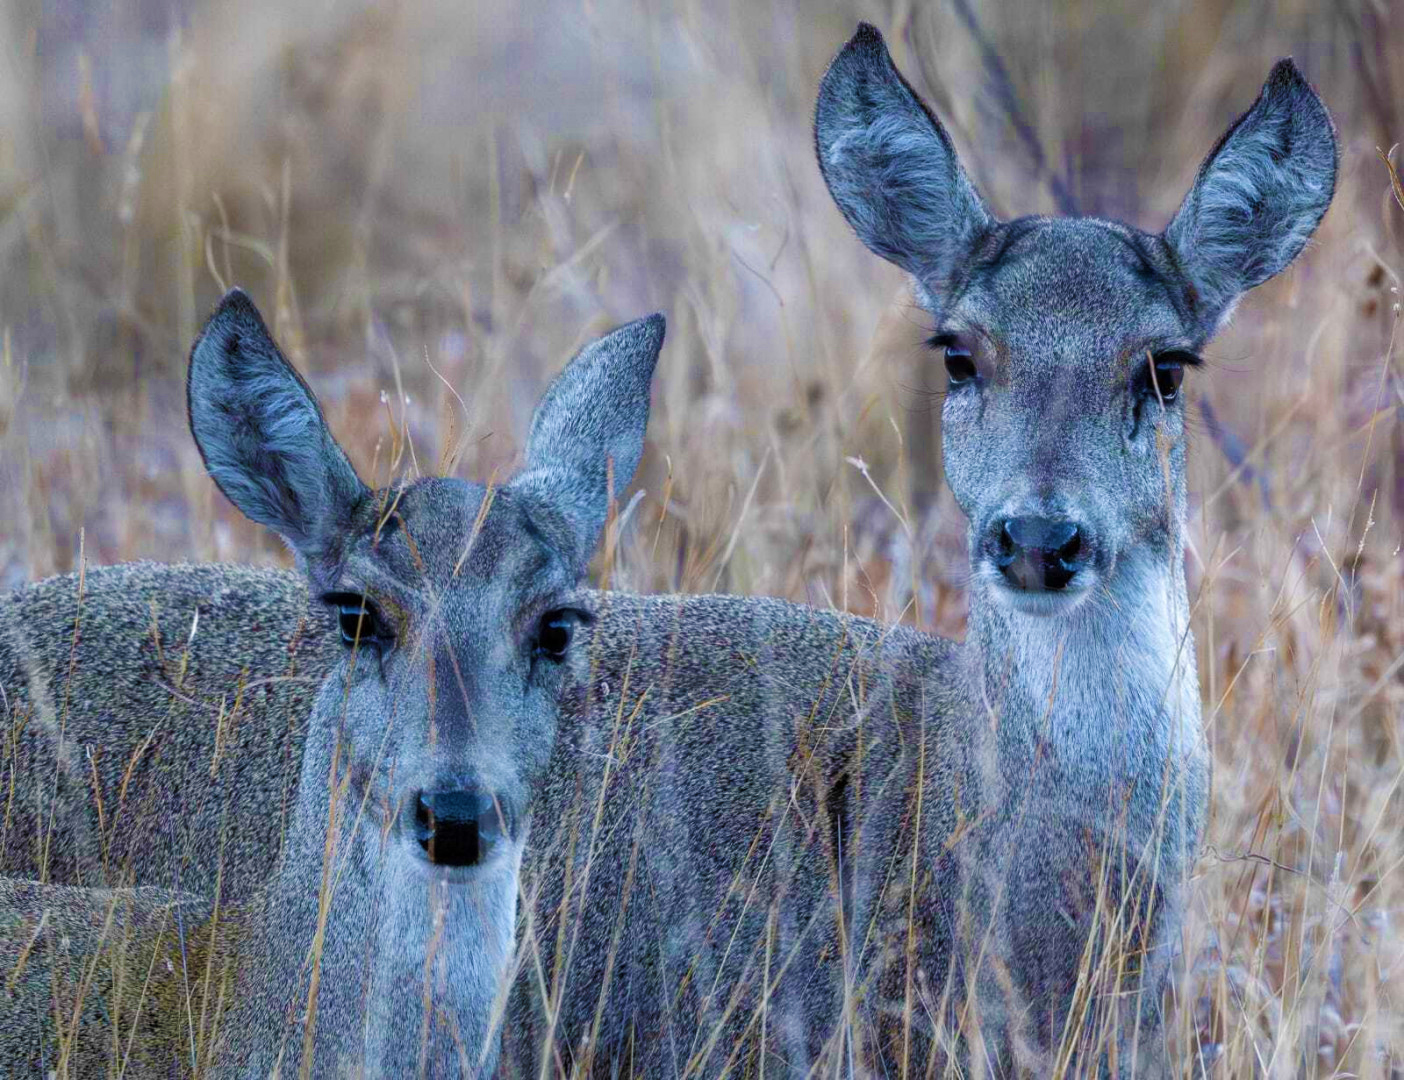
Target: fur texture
{"x":93,"y":976}
{"x":261,"y":431}
{"x":692,"y":837}
{"x":891,"y":167}
{"x":590,"y":426}
{"x":449,"y":690}
{"x":173,"y":697}
{"x":1258,"y":196}
{"x":1095,"y":784}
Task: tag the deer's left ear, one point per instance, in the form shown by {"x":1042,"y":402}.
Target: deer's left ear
{"x":588,"y":431}
{"x":1258,"y":197}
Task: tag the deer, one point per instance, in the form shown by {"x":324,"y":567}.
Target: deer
{"x":380,"y":934}
{"x":835,"y":847}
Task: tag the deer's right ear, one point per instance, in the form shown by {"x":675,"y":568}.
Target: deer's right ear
{"x":891,"y":167}
{"x":262,"y":434}
{"x":591,"y":421}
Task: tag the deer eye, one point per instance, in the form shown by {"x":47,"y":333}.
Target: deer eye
{"x":959,"y":358}
{"x":960,"y":366}
{"x":360,"y":620}
{"x":555,"y":632}
{"x":1164,"y":374}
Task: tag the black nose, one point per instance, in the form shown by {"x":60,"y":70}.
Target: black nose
{"x":1038,"y":553}
{"x":458,"y":827}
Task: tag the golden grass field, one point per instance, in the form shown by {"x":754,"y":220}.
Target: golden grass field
{"x":436,"y":204}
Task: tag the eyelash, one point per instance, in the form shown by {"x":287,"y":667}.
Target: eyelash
{"x":361,"y":624}
{"x":1169,"y":368}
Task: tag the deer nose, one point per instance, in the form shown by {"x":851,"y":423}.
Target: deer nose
{"x":459,"y":826}
{"x":1037,"y":553}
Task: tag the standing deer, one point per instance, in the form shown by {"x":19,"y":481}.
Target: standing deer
{"x":827,"y":846}
{"x":1066,"y":342}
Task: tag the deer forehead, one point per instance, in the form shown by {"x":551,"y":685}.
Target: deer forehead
{"x":1077,"y":296}
{"x":467,"y":552}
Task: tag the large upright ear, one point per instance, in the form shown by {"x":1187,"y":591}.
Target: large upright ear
{"x":592,"y":419}
{"x":891,"y":167}
{"x":262,"y":434}
{"x":1258,"y":196}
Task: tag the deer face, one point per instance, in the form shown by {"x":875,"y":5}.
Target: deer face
{"x":1066,"y":341}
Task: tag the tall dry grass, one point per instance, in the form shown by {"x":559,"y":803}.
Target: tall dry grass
{"x":436,"y":203}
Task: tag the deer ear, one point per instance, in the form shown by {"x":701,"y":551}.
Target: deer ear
{"x":890,"y":165}
{"x":591,"y":421}
{"x":1258,"y":196}
{"x":262,"y":435}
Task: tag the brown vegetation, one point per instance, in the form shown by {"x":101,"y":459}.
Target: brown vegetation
{"x":435,"y":204}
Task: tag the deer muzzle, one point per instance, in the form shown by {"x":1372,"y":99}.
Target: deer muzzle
{"x":459,"y":826}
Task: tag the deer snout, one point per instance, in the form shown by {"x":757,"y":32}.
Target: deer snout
{"x":1038,"y":554}
{"x":458,"y":826}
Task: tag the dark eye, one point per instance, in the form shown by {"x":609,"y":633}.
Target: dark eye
{"x":359,"y":620}
{"x":554,"y":635}
{"x":959,"y":357}
{"x":960,"y":364}
{"x":1168,"y":371}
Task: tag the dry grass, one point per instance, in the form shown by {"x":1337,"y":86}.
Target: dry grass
{"x":432,"y":199}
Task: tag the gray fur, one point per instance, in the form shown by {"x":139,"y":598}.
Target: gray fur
{"x":1094,"y":768}
{"x":94,"y":979}
{"x":1258,"y":196}
{"x":261,"y":431}
{"x":171,"y":696}
{"x":760,"y":807}
{"x":410,"y":957}
{"x":891,"y":167}
{"x":590,"y":425}
{"x":696,"y":805}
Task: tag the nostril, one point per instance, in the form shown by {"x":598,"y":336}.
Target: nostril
{"x":1072,"y":547}
{"x":1005,"y":553}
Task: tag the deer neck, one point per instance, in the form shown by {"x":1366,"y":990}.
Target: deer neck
{"x":1109,"y":689}
{"x":411,"y":964}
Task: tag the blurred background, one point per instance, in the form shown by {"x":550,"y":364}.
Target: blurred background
{"x":435,"y":204}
